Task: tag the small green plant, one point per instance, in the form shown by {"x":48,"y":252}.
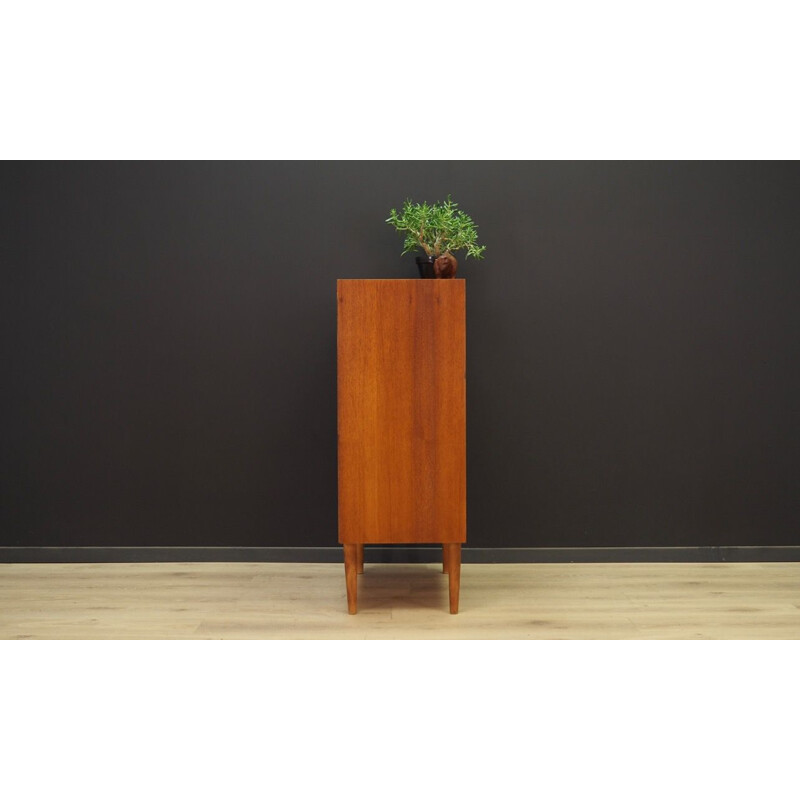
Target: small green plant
{"x":438,"y":228}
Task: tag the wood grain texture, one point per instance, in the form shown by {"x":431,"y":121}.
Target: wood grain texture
{"x":453,"y":559}
{"x":400,"y":601}
{"x":402,"y":411}
{"x":351,"y":576}
{"x":360,"y":558}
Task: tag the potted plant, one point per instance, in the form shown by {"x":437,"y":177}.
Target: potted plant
{"x":438,"y":229}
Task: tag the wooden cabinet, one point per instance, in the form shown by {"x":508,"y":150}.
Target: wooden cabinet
{"x":402,"y":419}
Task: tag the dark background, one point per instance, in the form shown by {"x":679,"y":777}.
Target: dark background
{"x":169,"y":340}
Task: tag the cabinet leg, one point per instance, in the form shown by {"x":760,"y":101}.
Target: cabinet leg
{"x":444,"y":559}
{"x":351,"y":575}
{"x":453,"y":562}
{"x":360,"y":553}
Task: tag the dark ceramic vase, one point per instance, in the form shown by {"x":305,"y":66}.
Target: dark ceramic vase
{"x":425,"y":265}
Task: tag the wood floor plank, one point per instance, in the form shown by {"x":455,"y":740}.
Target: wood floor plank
{"x":400,"y":601}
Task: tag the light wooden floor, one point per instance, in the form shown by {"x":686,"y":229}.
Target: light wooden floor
{"x":408,"y":601}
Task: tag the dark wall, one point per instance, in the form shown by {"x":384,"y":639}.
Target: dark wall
{"x":168,"y":348}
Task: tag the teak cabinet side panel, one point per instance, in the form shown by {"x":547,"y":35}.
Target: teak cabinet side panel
{"x":402,"y":411}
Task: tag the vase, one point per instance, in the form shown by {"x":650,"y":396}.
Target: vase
{"x":425,"y":265}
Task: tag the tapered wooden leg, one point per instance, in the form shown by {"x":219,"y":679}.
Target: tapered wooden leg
{"x":444,"y":559}
{"x":360,"y":552}
{"x":351,"y":575}
{"x":453,"y":561}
